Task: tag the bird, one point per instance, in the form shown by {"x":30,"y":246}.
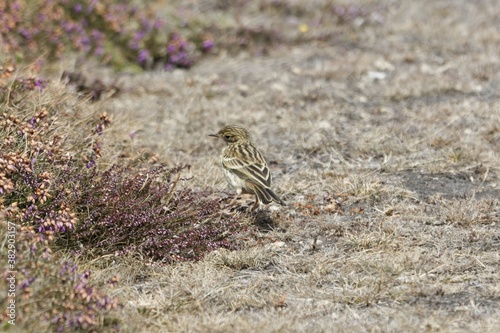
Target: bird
{"x":244,"y":166}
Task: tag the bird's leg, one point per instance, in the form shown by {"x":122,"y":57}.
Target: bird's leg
{"x":238,"y":193}
{"x":234,"y":200}
{"x":256,"y":204}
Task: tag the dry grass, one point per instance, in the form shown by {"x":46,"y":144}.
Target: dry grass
{"x":384,"y":142}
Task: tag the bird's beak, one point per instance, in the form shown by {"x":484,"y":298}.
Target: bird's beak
{"x":214,"y":135}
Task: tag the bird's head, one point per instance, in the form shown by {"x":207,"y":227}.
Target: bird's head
{"x":233,"y":134}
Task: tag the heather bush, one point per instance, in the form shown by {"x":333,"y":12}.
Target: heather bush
{"x":128,"y":35}
{"x":52,"y":294}
{"x":35,"y":149}
{"x":147,"y":212}
{"x":116,"y":32}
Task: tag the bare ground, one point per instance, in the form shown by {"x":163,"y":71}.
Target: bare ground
{"x":384,"y":140}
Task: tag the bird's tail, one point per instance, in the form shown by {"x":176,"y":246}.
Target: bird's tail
{"x":265,"y":194}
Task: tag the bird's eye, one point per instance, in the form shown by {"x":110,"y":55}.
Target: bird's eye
{"x":227,"y":137}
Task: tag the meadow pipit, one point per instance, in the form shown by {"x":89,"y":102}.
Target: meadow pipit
{"x":244,"y":167}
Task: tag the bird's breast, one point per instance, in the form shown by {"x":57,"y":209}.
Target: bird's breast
{"x":234,"y":181}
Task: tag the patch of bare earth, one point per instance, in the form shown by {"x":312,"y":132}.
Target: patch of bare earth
{"x":384,"y":140}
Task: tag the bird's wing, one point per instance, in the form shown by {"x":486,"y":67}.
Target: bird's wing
{"x":251,"y":167}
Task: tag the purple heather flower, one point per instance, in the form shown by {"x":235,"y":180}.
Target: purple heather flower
{"x":40,"y":85}
{"x":143,"y":56}
{"x":207,"y":44}
{"x":26,"y":283}
{"x":25,"y":33}
{"x":135,"y":42}
{"x":139,"y":36}
{"x":171,"y":48}
{"x":78,"y":8}
{"x":178,"y":57}
{"x":158,"y":24}
{"x":68,"y":26}
{"x":85,"y":40}
{"x":99,"y":51}
{"x":85,"y":275}
{"x":96,"y":34}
